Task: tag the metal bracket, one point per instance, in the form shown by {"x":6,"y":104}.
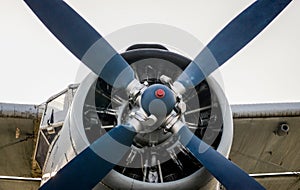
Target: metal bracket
{"x":135,"y":89}
{"x":141,"y":121}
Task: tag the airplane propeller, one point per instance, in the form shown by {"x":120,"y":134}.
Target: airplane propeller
{"x":232,"y":38}
{"x":80,"y":38}
{"x":89,"y":167}
{"x":225,"y":171}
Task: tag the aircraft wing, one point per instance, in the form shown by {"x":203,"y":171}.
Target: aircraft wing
{"x":18,"y":123}
{"x":262,"y":149}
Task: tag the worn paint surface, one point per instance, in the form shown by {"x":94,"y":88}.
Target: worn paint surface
{"x":257,"y":149}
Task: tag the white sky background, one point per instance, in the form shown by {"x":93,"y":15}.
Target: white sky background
{"x":34,"y":65}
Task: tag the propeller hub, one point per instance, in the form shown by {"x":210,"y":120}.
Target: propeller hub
{"x":158,"y":100}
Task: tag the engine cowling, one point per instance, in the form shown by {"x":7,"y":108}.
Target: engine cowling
{"x":156,"y":159}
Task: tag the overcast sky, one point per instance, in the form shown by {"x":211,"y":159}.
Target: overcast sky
{"x":35,"y":65}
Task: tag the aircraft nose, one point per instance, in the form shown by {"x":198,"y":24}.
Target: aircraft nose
{"x":158,"y":100}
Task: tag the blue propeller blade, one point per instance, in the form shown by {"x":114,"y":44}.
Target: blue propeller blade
{"x":237,"y":34}
{"x":83,"y":41}
{"x":89,"y":167}
{"x":226,"y":172}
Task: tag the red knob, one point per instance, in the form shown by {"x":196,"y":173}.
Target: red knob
{"x":159,"y":93}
